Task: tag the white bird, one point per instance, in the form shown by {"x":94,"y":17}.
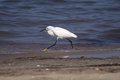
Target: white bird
{"x":60,"y":33}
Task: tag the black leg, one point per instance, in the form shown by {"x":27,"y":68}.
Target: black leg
{"x":52,"y":45}
{"x":70,"y":42}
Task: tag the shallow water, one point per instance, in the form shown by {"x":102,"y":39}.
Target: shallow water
{"x":100,"y":54}
{"x":94,"y":21}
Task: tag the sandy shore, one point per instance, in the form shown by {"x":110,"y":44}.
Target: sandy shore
{"x":53,"y":65}
{"x":70,"y":76}
{"x":28,"y":62}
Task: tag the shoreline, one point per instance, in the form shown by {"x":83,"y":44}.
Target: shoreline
{"x":31,"y":67}
{"x":28,"y":62}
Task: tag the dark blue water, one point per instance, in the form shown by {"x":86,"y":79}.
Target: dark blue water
{"x":94,"y":21}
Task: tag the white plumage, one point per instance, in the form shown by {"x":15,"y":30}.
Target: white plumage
{"x":60,"y":33}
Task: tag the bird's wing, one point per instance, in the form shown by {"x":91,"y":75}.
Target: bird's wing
{"x":64,"y":33}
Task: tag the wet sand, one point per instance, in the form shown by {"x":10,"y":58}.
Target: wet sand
{"x":55,"y":65}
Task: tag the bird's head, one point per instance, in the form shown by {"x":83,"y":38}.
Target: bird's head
{"x":47,"y":28}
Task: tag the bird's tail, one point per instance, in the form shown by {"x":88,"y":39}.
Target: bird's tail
{"x":74,"y":35}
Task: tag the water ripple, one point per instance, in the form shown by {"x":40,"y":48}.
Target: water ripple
{"x":96,"y":20}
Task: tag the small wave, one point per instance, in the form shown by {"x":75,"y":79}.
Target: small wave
{"x":111,"y":34}
{"x":112,"y":9}
{"x":90,"y":42}
{"x":6,"y":33}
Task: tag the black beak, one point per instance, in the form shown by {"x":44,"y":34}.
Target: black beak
{"x":42,"y":30}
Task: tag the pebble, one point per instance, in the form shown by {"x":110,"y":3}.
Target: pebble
{"x":97,"y":69}
{"x":38,"y":65}
{"x":47,"y":69}
{"x":65,"y":57}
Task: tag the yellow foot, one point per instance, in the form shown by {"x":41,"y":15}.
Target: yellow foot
{"x":45,"y":49}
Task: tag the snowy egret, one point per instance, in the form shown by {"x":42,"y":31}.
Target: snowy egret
{"x":60,"y":33}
